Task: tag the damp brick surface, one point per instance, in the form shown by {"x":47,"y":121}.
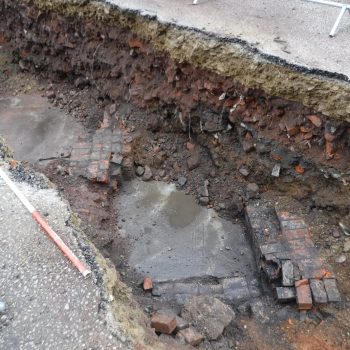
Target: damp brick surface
{"x":289,"y":258}
{"x":99,"y":157}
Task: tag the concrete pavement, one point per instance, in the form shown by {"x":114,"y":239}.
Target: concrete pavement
{"x":49,"y":304}
{"x":292,"y":30}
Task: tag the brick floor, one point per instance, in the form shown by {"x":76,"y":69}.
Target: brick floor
{"x":99,"y":157}
{"x":289,"y":258}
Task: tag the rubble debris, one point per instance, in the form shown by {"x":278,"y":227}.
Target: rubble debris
{"x":205,"y":191}
{"x":147,"y":175}
{"x":208,"y":314}
{"x":193,"y":161}
{"x":190,"y":336}
{"x":244,"y":172}
{"x":340,"y":259}
{"x":252,"y":188}
{"x":164,"y":322}
{"x":140,"y":170}
{"x":299,"y":169}
{"x":276,"y":170}
{"x":181,"y":181}
{"x":346,"y":247}
{"x":147,"y":283}
{"x":345,"y":225}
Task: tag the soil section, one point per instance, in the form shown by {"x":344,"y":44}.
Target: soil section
{"x":187,"y":134}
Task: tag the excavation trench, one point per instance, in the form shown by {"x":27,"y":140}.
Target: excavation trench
{"x":161,"y":158}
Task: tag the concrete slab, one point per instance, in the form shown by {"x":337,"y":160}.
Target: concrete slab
{"x":292,"y":30}
{"x":35,"y":129}
{"x":173,"y":238}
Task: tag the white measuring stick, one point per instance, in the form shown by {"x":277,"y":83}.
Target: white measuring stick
{"x":45,"y":226}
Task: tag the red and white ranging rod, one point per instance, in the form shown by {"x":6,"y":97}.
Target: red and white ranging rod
{"x":45,"y":226}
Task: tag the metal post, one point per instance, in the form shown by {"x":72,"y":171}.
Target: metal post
{"x":343,"y":7}
{"x":335,"y":26}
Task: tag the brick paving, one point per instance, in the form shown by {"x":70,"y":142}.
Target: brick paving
{"x":288,"y":257}
{"x":231,"y":290}
{"x":99,"y":157}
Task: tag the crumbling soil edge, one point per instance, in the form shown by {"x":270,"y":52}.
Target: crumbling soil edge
{"x":326,"y":93}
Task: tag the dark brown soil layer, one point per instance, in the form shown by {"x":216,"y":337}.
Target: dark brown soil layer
{"x":121,"y":66}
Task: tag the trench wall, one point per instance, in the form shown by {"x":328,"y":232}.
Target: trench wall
{"x":194,"y":78}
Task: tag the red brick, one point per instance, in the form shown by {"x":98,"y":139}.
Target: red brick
{"x":163,"y":322}
{"x":135,"y":43}
{"x":292,"y":130}
{"x":304,"y":299}
{"x":296,"y":234}
{"x":315,"y":120}
{"x":330,"y":149}
{"x":147,"y":283}
{"x":191,"y":336}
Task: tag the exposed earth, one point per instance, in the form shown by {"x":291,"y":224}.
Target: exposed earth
{"x":162,"y":191}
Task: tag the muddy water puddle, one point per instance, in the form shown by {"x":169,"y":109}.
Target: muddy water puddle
{"x":34,"y":129}
{"x":174,"y":239}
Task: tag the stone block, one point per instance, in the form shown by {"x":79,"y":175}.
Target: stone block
{"x":332,"y":291}
{"x":285,"y":294}
{"x":287,"y":273}
{"x":235,"y":288}
{"x":318,"y":291}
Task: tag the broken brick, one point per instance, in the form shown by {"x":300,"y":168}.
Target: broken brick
{"x":191,"y":336}
{"x":147,"y":283}
{"x":330,"y":149}
{"x":304,"y":299}
{"x":318,"y":291}
{"x":164,"y":322}
{"x":135,"y":43}
{"x":299,"y":169}
{"x":315,"y":120}
{"x":292,"y":130}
